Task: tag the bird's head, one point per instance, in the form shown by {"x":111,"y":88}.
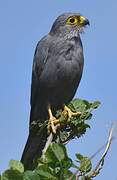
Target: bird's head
{"x":69,"y":25}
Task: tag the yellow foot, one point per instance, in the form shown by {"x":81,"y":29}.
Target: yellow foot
{"x":52,"y":122}
{"x":70,"y":113}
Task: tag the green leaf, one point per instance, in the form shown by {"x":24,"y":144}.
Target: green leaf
{"x":83,"y":178}
{"x":82,"y":105}
{"x":45,"y":172}
{"x":50,"y":156}
{"x":31,"y":175}
{"x":63,"y":135}
{"x":12,"y":175}
{"x":56,"y":152}
{"x":86,"y":115}
{"x":67,"y":174}
{"x":79,"y":105}
{"x":79,"y":156}
{"x":67,"y":163}
{"x":85,"y":165}
{"x":95,"y":104}
{"x":46,"y":175}
{"x":16,"y":165}
{"x":59,"y":151}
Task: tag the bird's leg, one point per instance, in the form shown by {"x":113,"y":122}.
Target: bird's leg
{"x":70,"y":113}
{"x":52,"y":121}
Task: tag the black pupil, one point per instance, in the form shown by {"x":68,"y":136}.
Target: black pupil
{"x":72,"y":20}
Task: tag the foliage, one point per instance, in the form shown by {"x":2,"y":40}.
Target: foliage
{"x":75,"y":126}
{"x":55,"y":163}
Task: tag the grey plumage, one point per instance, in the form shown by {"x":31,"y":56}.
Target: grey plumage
{"x":57,"y":70}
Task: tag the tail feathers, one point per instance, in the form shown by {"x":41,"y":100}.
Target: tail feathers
{"x":33,"y":148}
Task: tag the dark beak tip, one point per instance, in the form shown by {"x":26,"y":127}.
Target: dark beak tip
{"x":87,"y":22}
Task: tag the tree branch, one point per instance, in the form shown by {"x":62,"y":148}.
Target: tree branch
{"x":49,"y":141}
{"x":99,"y":165}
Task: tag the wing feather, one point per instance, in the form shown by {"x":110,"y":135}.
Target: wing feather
{"x":39,"y":61}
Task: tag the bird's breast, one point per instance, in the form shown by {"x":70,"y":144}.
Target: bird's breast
{"x":68,"y":71}
{"x":64,"y":67}
{"x":69,"y":67}
{"x":61,"y":74}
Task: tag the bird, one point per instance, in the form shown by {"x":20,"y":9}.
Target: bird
{"x":56,"y":73}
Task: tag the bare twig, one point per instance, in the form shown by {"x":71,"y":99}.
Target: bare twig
{"x":100,"y":149}
{"x":49,"y":141}
{"x":98,"y":167}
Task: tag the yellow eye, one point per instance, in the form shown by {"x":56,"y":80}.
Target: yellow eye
{"x":72,"y":21}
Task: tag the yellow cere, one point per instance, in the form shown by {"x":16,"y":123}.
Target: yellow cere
{"x":82,"y":19}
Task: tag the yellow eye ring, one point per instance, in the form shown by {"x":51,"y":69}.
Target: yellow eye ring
{"x":72,"y":21}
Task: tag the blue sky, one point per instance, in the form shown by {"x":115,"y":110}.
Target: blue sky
{"x":23,"y":23}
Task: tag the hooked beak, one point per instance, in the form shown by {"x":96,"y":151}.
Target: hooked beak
{"x":84,"y":21}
